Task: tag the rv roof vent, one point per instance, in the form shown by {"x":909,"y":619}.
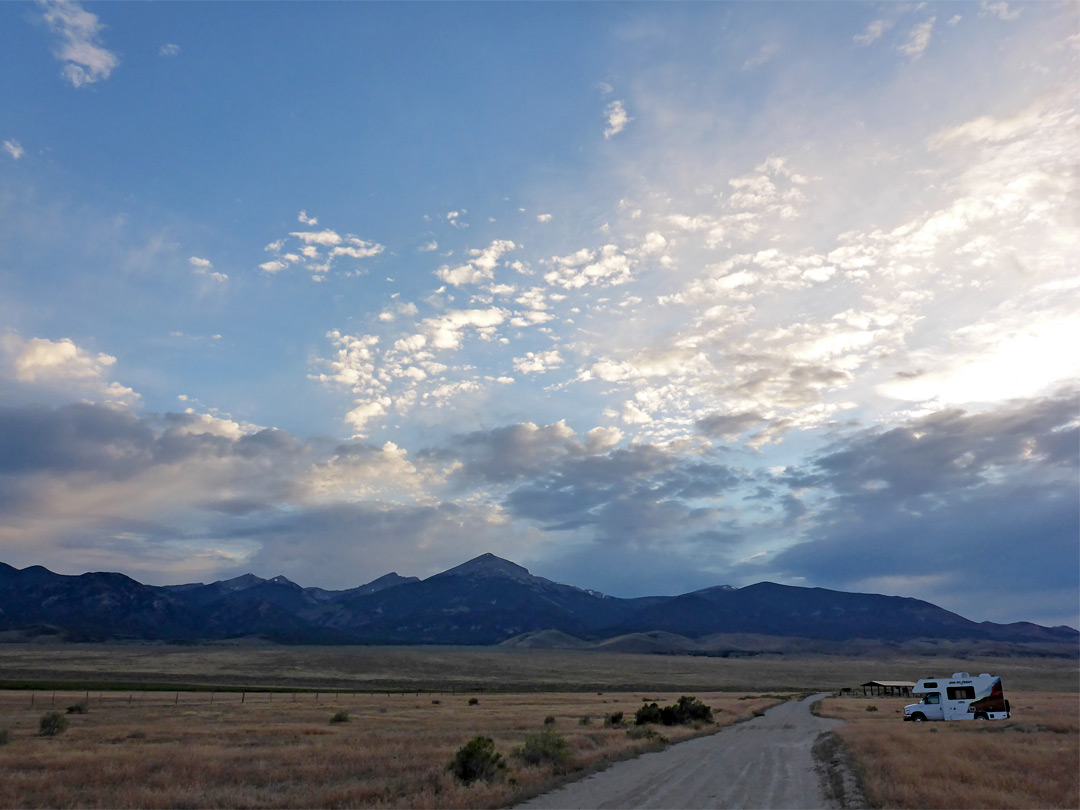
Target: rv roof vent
{"x":984,"y":674}
{"x":960,"y":675}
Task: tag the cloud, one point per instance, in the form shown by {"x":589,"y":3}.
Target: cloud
{"x":169,"y":49}
{"x":918,"y":39}
{"x":543,"y":217}
{"x":14,"y":148}
{"x":85,"y":59}
{"x":617,"y":119}
{"x":764,"y":54}
{"x":872,"y":32}
{"x":538,"y":362}
{"x":203,"y":267}
{"x":481,"y":267}
{"x":951,"y":507}
{"x":999,"y":10}
{"x":317,"y":251}
{"x":62,"y":367}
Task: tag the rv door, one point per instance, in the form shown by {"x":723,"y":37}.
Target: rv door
{"x":931,"y":706}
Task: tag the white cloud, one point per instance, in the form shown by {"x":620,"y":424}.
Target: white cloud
{"x":14,"y":148}
{"x":608,"y":268}
{"x":305,"y":219}
{"x":617,"y":119}
{"x":429,"y":247}
{"x":85,"y":59}
{"x":764,"y":54}
{"x":481,"y":267}
{"x":64,"y":367}
{"x":918,"y":40}
{"x":999,"y":10}
{"x":543,"y":217}
{"x":169,"y":49}
{"x":325,"y":238}
{"x":872,"y":32}
{"x":203,"y":267}
{"x":538,"y":362}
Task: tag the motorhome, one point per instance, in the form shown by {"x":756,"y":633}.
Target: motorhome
{"x":960,"y":697}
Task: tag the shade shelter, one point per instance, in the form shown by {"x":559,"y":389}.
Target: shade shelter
{"x":889,"y":688}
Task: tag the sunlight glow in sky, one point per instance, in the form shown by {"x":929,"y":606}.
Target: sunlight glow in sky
{"x":644,"y":297}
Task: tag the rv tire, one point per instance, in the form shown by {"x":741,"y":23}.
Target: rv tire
{"x":918,"y":718}
{"x":981,"y":716}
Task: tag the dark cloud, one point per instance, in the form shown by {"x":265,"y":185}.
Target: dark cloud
{"x":953,"y":503}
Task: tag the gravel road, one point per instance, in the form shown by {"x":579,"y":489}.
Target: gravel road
{"x":765,"y":762}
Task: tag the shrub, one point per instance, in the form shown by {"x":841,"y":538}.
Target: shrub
{"x":5,"y":736}
{"x":436,"y":702}
{"x":78,"y":708}
{"x":544,"y":747}
{"x":473,"y":701}
{"x":51,"y":724}
{"x":340,"y":717}
{"x":549,"y":720}
{"x":645,"y":733}
{"x":685,"y":711}
{"x":648,"y":713}
{"x":614,"y":719}
{"x":477,"y":759}
{"x":585,"y":720}
{"x":871,"y":708}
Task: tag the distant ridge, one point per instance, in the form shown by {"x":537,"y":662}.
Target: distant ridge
{"x":490,"y":600}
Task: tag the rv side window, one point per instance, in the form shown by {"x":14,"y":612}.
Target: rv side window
{"x":934,"y":698}
{"x":961,"y":692}
{"x":930,"y":685}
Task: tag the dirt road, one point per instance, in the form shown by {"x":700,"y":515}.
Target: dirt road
{"x":765,"y":762}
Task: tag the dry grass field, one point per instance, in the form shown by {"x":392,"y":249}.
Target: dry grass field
{"x":1030,"y":760}
{"x":147,"y":745}
{"x":176,"y":750}
{"x":488,"y":668}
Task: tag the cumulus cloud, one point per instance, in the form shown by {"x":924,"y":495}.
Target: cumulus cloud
{"x":14,"y":148}
{"x":169,"y":49}
{"x":480,"y":267}
{"x":203,"y":267}
{"x":80,"y":49}
{"x":317,"y":251}
{"x":63,"y":367}
{"x":617,"y":119}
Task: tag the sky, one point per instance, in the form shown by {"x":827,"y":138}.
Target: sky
{"x":647,"y":297}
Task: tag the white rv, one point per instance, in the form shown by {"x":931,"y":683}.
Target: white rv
{"x":960,"y":697}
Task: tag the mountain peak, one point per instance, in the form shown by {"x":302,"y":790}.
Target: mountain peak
{"x":489,"y":566}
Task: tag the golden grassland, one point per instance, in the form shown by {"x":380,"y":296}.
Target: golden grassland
{"x":200,"y":749}
{"x":489,"y":668}
{"x":1031,"y":760}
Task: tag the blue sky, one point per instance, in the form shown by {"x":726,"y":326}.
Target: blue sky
{"x":645,"y":297}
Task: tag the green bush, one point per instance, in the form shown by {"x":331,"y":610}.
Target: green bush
{"x":78,"y":708}
{"x":51,"y":724}
{"x":477,"y":759}
{"x":544,"y":747}
{"x":614,"y":719}
{"x":5,"y":736}
{"x":340,"y":717}
{"x":871,"y":708}
{"x":585,"y":720}
{"x":473,"y":701}
{"x":648,"y":713}
{"x":685,"y":711}
{"x":549,"y":720}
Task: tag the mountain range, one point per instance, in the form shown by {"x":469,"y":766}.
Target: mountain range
{"x":489,"y":600}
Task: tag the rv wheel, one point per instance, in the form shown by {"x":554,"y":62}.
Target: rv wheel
{"x":918,"y":718}
{"x":981,"y":716}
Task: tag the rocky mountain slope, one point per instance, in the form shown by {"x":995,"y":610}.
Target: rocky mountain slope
{"x":487,"y":600}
